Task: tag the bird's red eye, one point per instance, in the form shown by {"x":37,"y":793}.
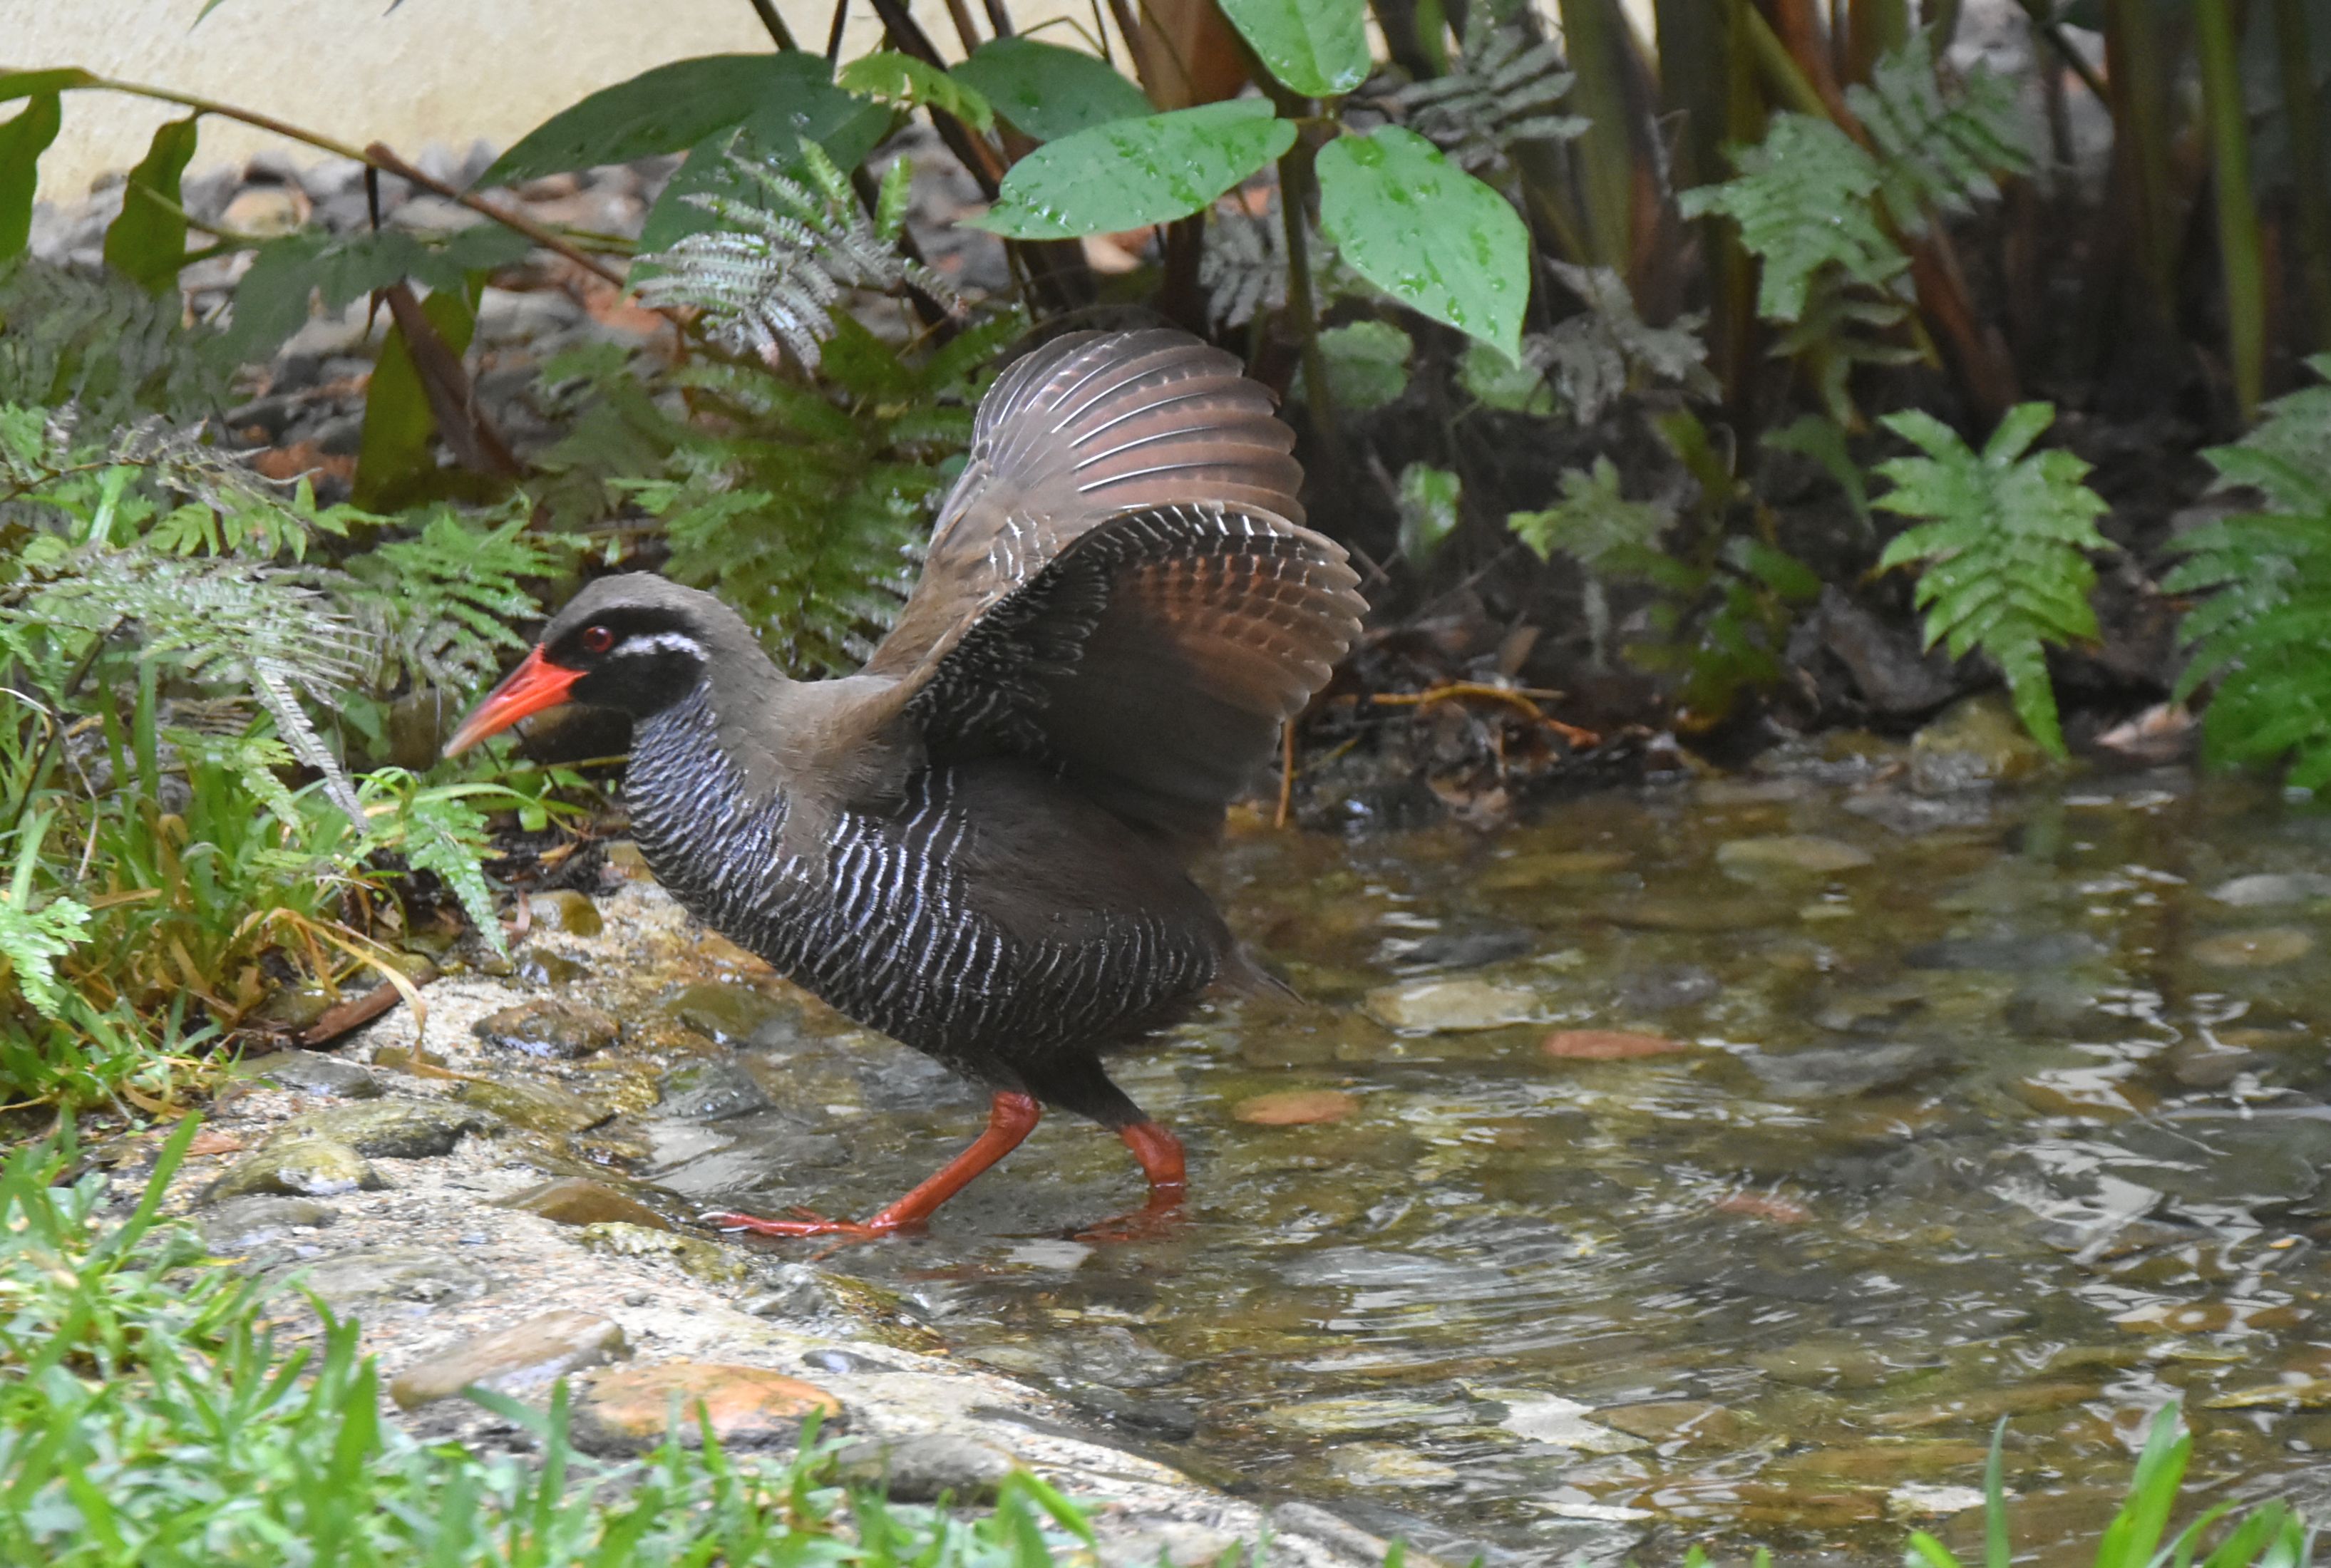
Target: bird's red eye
{"x":597,"y":640}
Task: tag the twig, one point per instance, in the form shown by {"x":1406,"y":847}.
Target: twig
{"x":778,"y":32}
{"x":379,"y":156}
{"x":1286,"y":772}
{"x":1524,"y":697}
{"x":474,"y":442}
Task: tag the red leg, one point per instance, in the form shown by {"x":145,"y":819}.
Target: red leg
{"x":1011,"y":1117}
{"x":1160,"y":1154}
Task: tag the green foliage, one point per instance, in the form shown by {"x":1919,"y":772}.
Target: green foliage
{"x":770,"y":276}
{"x":1594,"y":523}
{"x":1129,"y":173}
{"x":1367,"y":364}
{"x":101,"y":344}
{"x":1602,"y":352}
{"x":1803,"y":201}
{"x":23,"y":139}
{"x":1938,"y":152}
{"x":146,"y":244}
{"x":31,"y":938}
{"x":1428,"y":233}
{"x":2004,"y":544}
{"x":146,"y":1416}
{"x":1318,"y":48}
{"x":1430,"y":500}
{"x":441,"y":601}
{"x":271,"y":300}
{"x":903,"y":81}
{"x":1049,"y":91}
{"x":2260,"y":634}
{"x":1502,"y":92}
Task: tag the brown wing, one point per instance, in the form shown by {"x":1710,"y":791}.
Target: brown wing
{"x":1085,"y":427}
{"x":1152,"y":659}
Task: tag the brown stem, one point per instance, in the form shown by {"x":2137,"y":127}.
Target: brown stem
{"x":379,"y":156}
{"x":833,"y":33}
{"x":779,"y":34}
{"x":475,"y":443}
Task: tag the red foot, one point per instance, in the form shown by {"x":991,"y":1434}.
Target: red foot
{"x":1154,"y":1223}
{"x":811,"y":1225}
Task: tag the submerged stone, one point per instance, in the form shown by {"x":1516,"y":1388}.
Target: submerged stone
{"x":922,"y":1469}
{"x":1388,"y":1465}
{"x":303,"y":1167}
{"x":315,"y":1073}
{"x":1296,"y":1107}
{"x":1843,"y":1073}
{"x":566,"y":909}
{"x":726,"y":1014}
{"x":1544,"y":1417}
{"x":746,"y":1406}
{"x":2259,"y":949}
{"x":1449,"y":1006}
{"x":1790,"y":853}
{"x":1357,"y":1413}
{"x":2267,"y":890}
{"x":1684,"y":1420}
{"x":579,"y":1200}
{"x":395,"y":1128}
{"x":543,"y":1108}
{"x":522,"y":1357}
{"x":548,"y":1027}
{"x":1608,"y":1045}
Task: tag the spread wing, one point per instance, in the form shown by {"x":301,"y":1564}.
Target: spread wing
{"x":1122,"y":585}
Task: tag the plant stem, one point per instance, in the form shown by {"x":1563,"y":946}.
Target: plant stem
{"x":1295,"y":185}
{"x":2044,"y":23}
{"x":779,"y":34}
{"x":2239,"y":249}
{"x":2138,"y":94}
{"x":2307,"y":172}
{"x":50,"y":742}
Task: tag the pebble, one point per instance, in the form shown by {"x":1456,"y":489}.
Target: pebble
{"x":304,"y":1167}
{"x":406,"y":1280}
{"x":1751,"y":858}
{"x":315,"y":1073}
{"x":1449,"y":1006}
{"x":542,"y":1108}
{"x":923,"y":1469}
{"x":1974,"y":743}
{"x":746,"y":1406}
{"x":726,"y":1014}
{"x":1844,"y":1072}
{"x":548,"y":1027}
{"x":522,"y":1357}
{"x":580,"y":1200}
{"x":2259,"y":949}
{"x":566,"y":909}
{"x":1387,"y":1465}
{"x":705,"y":1260}
{"x":797,"y":1291}
{"x":1685,"y":1420}
{"x":1608,"y":1045}
{"x":238,"y":1224}
{"x":1561,"y":1422}
{"x":264,"y":212}
{"x":1296,"y":1107}
{"x":2266,"y":889}
{"x":393,"y":1129}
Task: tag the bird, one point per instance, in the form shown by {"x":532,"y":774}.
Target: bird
{"x":979,"y":843}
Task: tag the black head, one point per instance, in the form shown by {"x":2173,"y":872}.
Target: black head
{"x":634,"y":642}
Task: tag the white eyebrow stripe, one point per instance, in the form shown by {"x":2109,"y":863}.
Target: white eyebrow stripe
{"x":662,"y":642}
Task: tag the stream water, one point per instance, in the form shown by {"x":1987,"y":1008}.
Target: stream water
{"x":1950,"y":1109}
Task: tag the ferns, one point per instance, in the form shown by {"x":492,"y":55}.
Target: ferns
{"x":102,"y":343}
{"x":1936,"y":153}
{"x":2262,"y":631}
{"x":2004,"y":544}
{"x":1503,"y":92}
{"x":442,"y":602}
{"x":1595,"y":357}
{"x":770,"y":277}
{"x":32,"y":939}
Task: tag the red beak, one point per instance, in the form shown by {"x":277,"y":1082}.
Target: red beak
{"x":535,"y":684}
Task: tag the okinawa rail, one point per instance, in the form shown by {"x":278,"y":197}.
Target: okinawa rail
{"x":975,"y":844}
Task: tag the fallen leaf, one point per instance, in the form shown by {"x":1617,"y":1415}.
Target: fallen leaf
{"x":1763,"y":1206}
{"x":1608,"y":1045}
{"x":1296,"y":1107}
{"x":210,"y":1141}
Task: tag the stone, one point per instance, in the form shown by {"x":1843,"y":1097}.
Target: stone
{"x":2268,"y":890}
{"x":705,"y":1260}
{"x":1844,"y":1072}
{"x":1789,"y":853}
{"x":403,"y":1281}
{"x":1544,"y":1417}
{"x":315,"y":1073}
{"x":1330,"y":1418}
{"x":300,"y":1168}
{"x":1449,"y":1006}
{"x":264,"y":212}
{"x":1974,"y":744}
{"x":565,"y":910}
{"x":542,"y":1108}
{"x":2297,"y":1391}
{"x":1982,"y":1407}
{"x":580,"y":1200}
{"x":1925,"y":1500}
{"x":510,"y":1360}
{"x":1387,"y":1465}
{"x":623,"y":858}
{"x":1460,"y":949}
{"x":239,"y":1224}
{"x":1113,"y":1358}
{"x":1674,"y":1421}
{"x":1296,"y":1107}
{"x":535,"y":965}
{"x":395,"y":1128}
{"x":747,"y":1407}
{"x":726,"y":1014}
{"x":1608,"y":1045}
{"x":710,"y":1092}
{"x":923,"y":1469}
{"x":548,"y":1027}
{"x":796,"y":1290}
{"x":2259,"y":949}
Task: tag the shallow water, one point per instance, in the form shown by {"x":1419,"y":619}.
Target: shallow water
{"x":2017,"y":1118}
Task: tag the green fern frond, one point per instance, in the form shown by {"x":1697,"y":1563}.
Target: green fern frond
{"x":1932,"y":151}
{"x":31,"y":939}
{"x":1803,"y":201}
{"x":1594,"y":523}
{"x":1502,"y":91}
{"x":2262,"y":630}
{"x":1606,"y":350}
{"x":100,"y":343}
{"x":768,"y":277}
{"x":2004,"y":548}
{"x":439,"y":603}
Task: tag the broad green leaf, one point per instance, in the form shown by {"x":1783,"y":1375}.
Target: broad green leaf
{"x":1427,"y":233}
{"x":886,"y":76}
{"x":1049,"y":91}
{"x":148,"y":241}
{"x":393,"y":455}
{"x":1132,"y":173}
{"x":23,"y":140}
{"x":271,"y":300}
{"x":1317,"y":47}
{"x":1431,"y":505}
{"x":1497,"y":382}
{"x":42,"y":83}
{"x":846,"y":128}
{"x":1367,"y":364}
{"x":666,"y":110}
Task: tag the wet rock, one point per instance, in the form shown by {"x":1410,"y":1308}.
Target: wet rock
{"x":2296,"y":1391}
{"x":623,"y":858}
{"x":548,"y":1027}
{"x":1909,"y":816}
{"x":1675,"y":1421}
{"x":747,"y":1407}
{"x":1296,"y":1107}
{"x":796,"y":1290}
{"x":395,"y":1128}
{"x":543,"y":1108}
{"x":1893,"y":674}
{"x":1357,"y":1413}
{"x":1821,"y":1362}
{"x":2010,"y":953}
{"x":710,"y":1092}
{"x":1387,"y":1465}
{"x":2259,"y":949}
{"x":2254,"y":1161}
{"x":1879,"y":1463}
{"x":704,"y":1259}
{"x":400,"y":1281}
{"x":1976,"y":743}
{"x":1448,"y":1006}
{"x":565,"y":910}
{"x":1844,"y":1072}
{"x":315,"y":1073}
{"x":300,"y":1168}
{"x":1167,"y":1420}
{"x":1543,"y":1418}
{"x":1662,"y":912}
{"x":1925,"y":1500}
{"x":1787,"y":854}
{"x":923,"y":1469}
{"x":522,"y":1357}
{"x":239,"y":1224}
{"x":1459,"y":949}
{"x":1608,"y":1045}
{"x":1984,"y":1406}
{"x":579,"y":1200}
{"x":1113,"y":1358}
{"x":1342,"y":1534}
{"x":1662,"y":986}
{"x":2270,"y":890}
{"x":537,"y":966}
{"x":725,"y":1013}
